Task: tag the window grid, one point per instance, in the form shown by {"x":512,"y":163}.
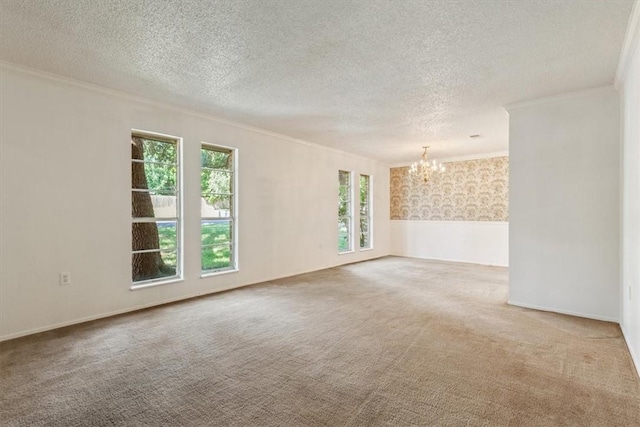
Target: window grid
{"x":155,"y":209}
{"x":217,"y":222}
{"x":365,"y":212}
{"x":345,"y":212}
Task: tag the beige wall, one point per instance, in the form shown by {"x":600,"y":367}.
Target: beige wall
{"x":564,"y":204}
{"x":629,"y":87}
{"x":66,"y":145}
{"x":472,"y":190}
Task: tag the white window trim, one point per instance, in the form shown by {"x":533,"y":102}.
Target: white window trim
{"x":347,"y":252}
{"x":179,"y":276}
{"x":351,"y":215}
{"x":150,"y":284}
{"x":235,"y":267}
{"x":220,"y":272}
{"x":370,"y":216}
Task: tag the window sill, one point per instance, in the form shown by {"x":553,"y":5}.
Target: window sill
{"x":218,"y":273}
{"x":158,"y":283}
{"x":346,"y":252}
{"x":366,"y":249}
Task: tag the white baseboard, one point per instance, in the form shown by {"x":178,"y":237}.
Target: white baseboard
{"x":114,"y":313}
{"x":451,"y":260}
{"x":570,"y":313}
{"x":634,"y":357}
{"x":162,"y":302}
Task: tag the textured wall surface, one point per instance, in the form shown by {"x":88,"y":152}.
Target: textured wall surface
{"x":472,"y":190}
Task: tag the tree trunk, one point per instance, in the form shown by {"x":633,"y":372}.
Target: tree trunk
{"x":147,"y":265}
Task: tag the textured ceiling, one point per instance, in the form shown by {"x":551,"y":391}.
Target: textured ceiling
{"x":377,"y":78}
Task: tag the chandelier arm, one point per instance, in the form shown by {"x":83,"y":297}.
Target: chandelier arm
{"x":423,"y":168}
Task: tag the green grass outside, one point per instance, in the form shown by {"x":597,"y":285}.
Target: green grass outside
{"x":215,"y":240}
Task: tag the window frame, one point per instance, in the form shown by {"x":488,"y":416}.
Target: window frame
{"x":369,"y":215}
{"x":179,"y":219}
{"x":350,"y":212}
{"x":233,"y":217}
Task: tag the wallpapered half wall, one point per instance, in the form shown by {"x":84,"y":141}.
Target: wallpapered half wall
{"x":471,"y":190}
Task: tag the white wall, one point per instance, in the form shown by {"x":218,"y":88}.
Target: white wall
{"x":67,"y":146}
{"x":564,"y":204}
{"x":478,"y":242}
{"x":630,"y":90}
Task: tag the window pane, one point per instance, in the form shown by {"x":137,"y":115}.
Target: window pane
{"x":153,"y":265}
{"x":364,"y":241}
{"x":365,"y":211}
{"x":344,"y":178}
{"x":364,"y":183}
{"x":364,"y":193}
{"x":154,"y":180}
{"x":216,"y":257}
{"x":216,"y":206}
{"x":154,"y":151}
{"x":364,"y":225}
{"x":154,"y":235}
{"x":216,"y":232}
{"x":216,"y":181}
{"x":364,"y":232}
{"x":344,"y":193}
{"x":344,"y":233}
{"x":215,"y":159}
{"x":217,"y":188}
{"x":170,"y":260}
{"x":344,"y":209}
{"x":154,"y":176}
{"x":153,"y":205}
{"x":167,"y":232}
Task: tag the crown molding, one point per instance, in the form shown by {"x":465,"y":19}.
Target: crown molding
{"x":631,"y":40}
{"x":140,"y":99}
{"x":559,"y":97}
{"x":478,"y":156}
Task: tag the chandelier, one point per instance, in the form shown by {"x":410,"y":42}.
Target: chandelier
{"x":424,"y":168}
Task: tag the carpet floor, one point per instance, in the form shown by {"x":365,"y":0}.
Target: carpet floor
{"x":389,"y":342}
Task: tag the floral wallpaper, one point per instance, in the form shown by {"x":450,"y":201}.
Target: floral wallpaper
{"x":472,"y":190}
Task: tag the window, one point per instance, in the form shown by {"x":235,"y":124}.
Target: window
{"x":344,"y":212}
{"x":155,"y":208}
{"x":217,"y":226}
{"x":365,"y":212}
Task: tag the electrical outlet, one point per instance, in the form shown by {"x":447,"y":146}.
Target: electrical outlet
{"x":65,"y":278}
